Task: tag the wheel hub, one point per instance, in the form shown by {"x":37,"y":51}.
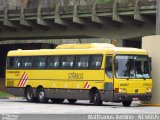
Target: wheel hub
{"x":30,"y":95}
{"x":41,"y":95}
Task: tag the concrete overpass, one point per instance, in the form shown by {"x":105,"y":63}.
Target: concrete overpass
{"x":38,"y":19}
{"x":35,"y":24}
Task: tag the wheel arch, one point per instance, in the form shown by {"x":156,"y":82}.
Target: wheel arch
{"x":40,"y":86}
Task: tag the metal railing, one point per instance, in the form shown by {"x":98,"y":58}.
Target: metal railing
{"x":85,"y":6}
{"x":147,"y":3}
{"x":66,"y":6}
{"x":104,"y":7}
{"x":126,"y":5}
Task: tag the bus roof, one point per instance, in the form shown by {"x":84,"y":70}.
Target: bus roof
{"x":85,"y":46}
{"x":72,"y":49}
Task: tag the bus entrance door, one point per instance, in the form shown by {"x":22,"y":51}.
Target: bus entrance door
{"x":109,"y":86}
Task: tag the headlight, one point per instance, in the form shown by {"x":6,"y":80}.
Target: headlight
{"x":122,"y":90}
{"x":148,"y":90}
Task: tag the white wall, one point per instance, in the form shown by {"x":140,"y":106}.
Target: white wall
{"x":152,"y":44}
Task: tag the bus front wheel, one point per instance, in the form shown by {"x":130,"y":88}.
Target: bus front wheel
{"x":41,"y":96}
{"x":127,"y":103}
{"x":29,"y":94}
{"x":72,"y":101}
{"x":97,"y":99}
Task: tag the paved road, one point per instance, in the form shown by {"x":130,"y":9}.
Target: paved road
{"x":20,"y":106}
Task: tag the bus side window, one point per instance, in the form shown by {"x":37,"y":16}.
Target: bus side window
{"x":53,"y":62}
{"x":17,"y":62}
{"x":67,"y":62}
{"x":13,"y":62}
{"x":82,"y":62}
{"x":10,"y":62}
{"x":27,"y":62}
{"x":96,"y":61}
{"x":40,"y":62}
{"x":109,"y":66}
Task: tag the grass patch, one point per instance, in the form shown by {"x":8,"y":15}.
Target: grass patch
{"x":5,"y":95}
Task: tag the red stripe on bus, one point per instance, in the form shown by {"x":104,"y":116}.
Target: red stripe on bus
{"x":25,"y":81}
{"x":21,"y":79}
{"x":87,"y":85}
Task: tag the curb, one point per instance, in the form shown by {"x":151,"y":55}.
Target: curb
{"x":15,"y":98}
{"x":155,"y":105}
{"x":4,"y":97}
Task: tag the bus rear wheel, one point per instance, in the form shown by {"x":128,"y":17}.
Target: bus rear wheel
{"x":72,"y":101}
{"x":29,"y":94}
{"x":127,"y":103}
{"x":55,"y":100}
{"x":97,"y":99}
{"x":41,"y":96}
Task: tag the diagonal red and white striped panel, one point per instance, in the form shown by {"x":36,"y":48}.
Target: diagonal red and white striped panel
{"x":87,"y":86}
{"x":23,"y":80}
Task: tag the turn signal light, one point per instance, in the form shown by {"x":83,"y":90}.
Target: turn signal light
{"x":148,"y":90}
{"x":116,"y":90}
{"x":122,"y":90}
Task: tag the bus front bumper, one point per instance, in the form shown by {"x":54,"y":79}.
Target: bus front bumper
{"x":119,"y":97}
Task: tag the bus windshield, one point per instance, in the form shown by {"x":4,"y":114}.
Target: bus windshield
{"x":128,"y":66}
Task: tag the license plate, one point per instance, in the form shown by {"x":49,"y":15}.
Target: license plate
{"x":135,"y":99}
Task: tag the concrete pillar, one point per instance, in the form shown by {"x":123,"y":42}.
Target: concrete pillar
{"x":151,"y":44}
{"x":158,"y":18}
{"x":117,"y":43}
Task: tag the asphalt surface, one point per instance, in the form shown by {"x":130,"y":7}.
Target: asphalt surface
{"x":80,"y":110}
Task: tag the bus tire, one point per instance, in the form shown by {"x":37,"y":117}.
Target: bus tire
{"x":97,"y":99}
{"x":29,"y":94}
{"x":126,"y":103}
{"x":55,"y":100}
{"x":72,"y":101}
{"x":41,"y":96}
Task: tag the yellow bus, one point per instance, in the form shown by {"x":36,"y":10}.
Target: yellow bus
{"x":96,"y":72}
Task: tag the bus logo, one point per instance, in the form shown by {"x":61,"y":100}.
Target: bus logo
{"x":23,"y":80}
{"x":87,"y":85}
